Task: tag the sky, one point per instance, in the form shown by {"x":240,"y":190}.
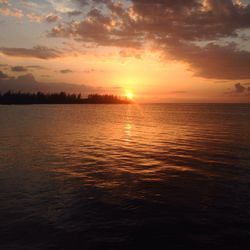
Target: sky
{"x":159,"y":50}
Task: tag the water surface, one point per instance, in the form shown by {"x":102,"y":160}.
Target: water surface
{"x":172,"y":176}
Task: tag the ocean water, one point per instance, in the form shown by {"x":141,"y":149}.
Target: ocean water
{"x":172,"y":176}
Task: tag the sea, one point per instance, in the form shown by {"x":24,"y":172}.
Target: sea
{"x":139,"y":176}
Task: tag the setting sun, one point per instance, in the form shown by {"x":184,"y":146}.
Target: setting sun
{"x":130,"y":95}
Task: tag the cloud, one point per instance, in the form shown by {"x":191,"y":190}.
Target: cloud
{"x":82,"y":2}
{"x":99,"y":28}
{"x":184,"y":19}
{"x":6,"y":11}
{"x":3,"y":65}
{"x":34,"y":17}
{"x":74,"y":13}
{"x":28,"y":4}
{"x":89,"y":71}
{"x":5,"y":2}
{"x":36,"y":67}
{"x":40,"y":52}
{"x":3,"y":76}
{"x":66,"y":71}
{"x":28,"y":83}
{"x":52,"y":18}
{"x":239,"y":88}
{"x":22,"y":68}
{"x":45,"y":76}
{"x":212,"y":61}
{"x":130,"y":53}
{"x":18,"y":69}
{"x":183,"y":30}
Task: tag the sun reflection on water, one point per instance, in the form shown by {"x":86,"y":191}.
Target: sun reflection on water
{"x":128,"y":131}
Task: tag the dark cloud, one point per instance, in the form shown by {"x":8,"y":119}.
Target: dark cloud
{"x":211,"y":61}
{"x":74,"y":13}
{"x":192,"y":20}
{"x":36,"y":67}
{"x":82,"y":2}
{"x":40,"y":52}
{"x":28,"y":83}
{"x":181,"y":29}
{"x":85,"y":2}
{"x":66,"y":71}
{"x":4,"y":2}
{"x":52,"y":18}
{"x":19,"y":69}
{"x":3,"y":76}
{"x":239,"y":88}
{"x":184,"y":19}
{"x":4,"y":66}
{"x":22,"y":68}
{"x":88,"y":71}
{"x":101,"y":28}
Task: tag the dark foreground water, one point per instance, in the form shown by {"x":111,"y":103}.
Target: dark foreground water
{"x":125,"y":177}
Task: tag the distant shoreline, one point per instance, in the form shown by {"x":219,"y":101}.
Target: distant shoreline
{"x":62,"y":98}
{"x":43,"y":104}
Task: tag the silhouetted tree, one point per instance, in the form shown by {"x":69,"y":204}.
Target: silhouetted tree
{"x":58,"y":98}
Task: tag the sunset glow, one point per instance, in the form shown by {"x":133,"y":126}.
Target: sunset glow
{"x":90,"y":46}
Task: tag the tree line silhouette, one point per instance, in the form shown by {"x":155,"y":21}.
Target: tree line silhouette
{"x":59,"y":98}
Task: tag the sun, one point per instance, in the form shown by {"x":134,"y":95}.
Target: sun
{"x":130,"y":95}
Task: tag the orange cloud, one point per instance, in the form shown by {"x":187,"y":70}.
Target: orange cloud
{"x":11,"y":12}
{"x":40,"y":52}
{"x":173,"y":27}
